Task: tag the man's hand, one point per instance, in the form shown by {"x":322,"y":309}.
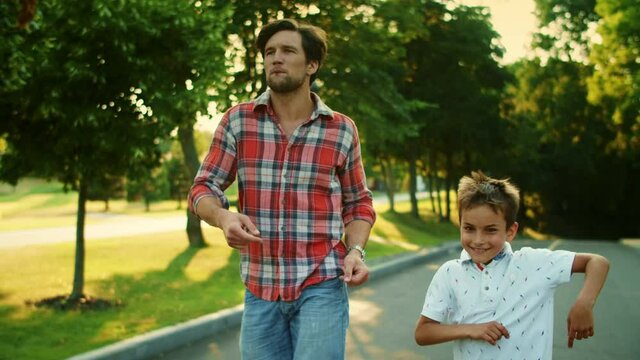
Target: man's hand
{"x":490,"y":332}
{"x":579,"y":322}
{"x":355,"y":270}
{"x":238,"y":228}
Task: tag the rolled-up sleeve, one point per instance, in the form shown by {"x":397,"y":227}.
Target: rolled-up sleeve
{"x":218,"y":169}
{"x":357,"y":199}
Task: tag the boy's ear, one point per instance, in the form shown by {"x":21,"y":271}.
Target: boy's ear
{"x":512,"y":231}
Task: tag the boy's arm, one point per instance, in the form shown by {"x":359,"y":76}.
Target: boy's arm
{"x":430,"y":332}
{"x":580,"y":319}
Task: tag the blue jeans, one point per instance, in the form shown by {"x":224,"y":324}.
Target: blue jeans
{"x":312,"y":327}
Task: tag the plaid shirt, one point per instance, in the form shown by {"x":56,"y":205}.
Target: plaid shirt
{"x":300,"y":192}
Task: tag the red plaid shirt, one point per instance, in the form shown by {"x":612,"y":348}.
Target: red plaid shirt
{"x":300,"y":192}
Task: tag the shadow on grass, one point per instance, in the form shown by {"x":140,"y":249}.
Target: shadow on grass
{"x":151,"y":300}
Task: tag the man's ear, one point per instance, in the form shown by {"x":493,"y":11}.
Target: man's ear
{"x":512,"y":231}
{"x":312,"y":67}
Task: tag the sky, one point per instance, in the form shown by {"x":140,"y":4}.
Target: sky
{"x":514,"y":21}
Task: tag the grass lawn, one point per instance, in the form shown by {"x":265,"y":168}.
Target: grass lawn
{"x":159,"y":280}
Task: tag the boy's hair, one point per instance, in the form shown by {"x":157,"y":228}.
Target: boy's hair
{"x":479,"y":189}
{"x":314,"y":39}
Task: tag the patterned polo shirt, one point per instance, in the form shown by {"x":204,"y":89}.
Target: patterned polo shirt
{"x":299,"y":191}
{"x":515,"y":289}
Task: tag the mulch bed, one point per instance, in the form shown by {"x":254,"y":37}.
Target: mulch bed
{"x":83,"y":303}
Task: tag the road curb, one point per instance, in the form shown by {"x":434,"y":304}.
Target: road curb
{"x":169,"y":338}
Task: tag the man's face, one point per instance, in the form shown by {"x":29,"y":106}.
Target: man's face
{"x":285,"y":62}
{"x":483,"y":233}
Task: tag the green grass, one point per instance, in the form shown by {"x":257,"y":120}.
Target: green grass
{"x":36,"y":203}
{"x":157,"y":277}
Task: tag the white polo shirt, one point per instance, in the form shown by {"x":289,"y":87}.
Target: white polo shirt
{"x":515,"y":289}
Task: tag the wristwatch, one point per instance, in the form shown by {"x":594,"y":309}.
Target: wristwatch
{"x":360,"y":249}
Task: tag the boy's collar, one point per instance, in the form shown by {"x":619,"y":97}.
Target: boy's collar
{"x":506,"y":250}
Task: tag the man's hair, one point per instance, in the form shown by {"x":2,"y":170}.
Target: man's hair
{"x":314,"y":39}
{"x":479,"y":189}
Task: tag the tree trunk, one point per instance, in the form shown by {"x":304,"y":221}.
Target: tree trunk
{"x":431,"y":197}
{"x":413,"y":187}
{"x":439,"y":199}
{"x":78,"y":274}
{"x":447,"y":186}
{"x":389,"y":183}
{"x":188,"y":145}
{"x":432,"y":178}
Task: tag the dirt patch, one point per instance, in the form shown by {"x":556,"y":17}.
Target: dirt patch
{"x":83,"y":303}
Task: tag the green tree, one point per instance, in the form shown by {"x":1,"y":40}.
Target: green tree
{"x":105,"y":188}
{"x":560,"y":137}
{"x":185,"y":52}
{"x":79,"y":85}
{"x":616,"y":84}
{"x":452,"y":64}
{"x":574,"y":120}
{"x":149,"y":187}
{"x":565,"y":27}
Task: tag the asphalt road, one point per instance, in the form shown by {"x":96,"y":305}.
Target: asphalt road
{"x":384,"y":313}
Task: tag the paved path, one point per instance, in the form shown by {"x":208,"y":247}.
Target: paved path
{"x":383,"y":315}
{"x":115,"y":225}
{"x":110,"y":227}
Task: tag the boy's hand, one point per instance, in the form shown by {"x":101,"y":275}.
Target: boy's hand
{"x":579,"y":322}
{"x":490,"y":332}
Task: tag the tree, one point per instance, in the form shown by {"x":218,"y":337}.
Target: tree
{"x":616,"y":84}
{"x":452,"y":64}
{"x":185,"y":52}
{"x":105,"y":188}
{"x":565,"y":27}
{"x":75,"y":101}
{"x":574,"y":121}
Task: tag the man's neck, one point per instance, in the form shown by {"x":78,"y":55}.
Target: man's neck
{"x":293,"y":107}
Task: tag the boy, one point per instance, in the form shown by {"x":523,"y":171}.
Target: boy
{"x":496,"y":303}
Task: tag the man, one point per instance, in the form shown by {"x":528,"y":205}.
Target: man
{"x":301,"y":188}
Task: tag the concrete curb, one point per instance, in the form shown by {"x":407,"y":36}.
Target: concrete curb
{"x":169,"y":338}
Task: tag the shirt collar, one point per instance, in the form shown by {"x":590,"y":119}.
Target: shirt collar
{"x":321,"y":109}
{"x":506,"y":250}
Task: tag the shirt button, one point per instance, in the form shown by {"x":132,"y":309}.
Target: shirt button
{"x":486,"y":288}
{"x":486,"y":272}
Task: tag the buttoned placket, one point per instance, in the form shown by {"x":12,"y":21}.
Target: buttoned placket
{"x":488,"y":293}
{"x":282,"y":199}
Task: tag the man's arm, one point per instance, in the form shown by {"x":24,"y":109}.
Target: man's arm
{"x":580,"y":319}
{"x":431,"y":332}
{"x":355,"y":270}
{"x":238,"y":228}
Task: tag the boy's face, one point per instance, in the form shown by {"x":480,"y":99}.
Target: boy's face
{"x":484,"y":232}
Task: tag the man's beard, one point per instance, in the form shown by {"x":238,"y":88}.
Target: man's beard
{"x":286,"y":84}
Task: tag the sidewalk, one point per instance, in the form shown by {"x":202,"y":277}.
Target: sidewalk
{"x":113,"y":226}
{"x":117,"y":226}
{"x":170,"y":338}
